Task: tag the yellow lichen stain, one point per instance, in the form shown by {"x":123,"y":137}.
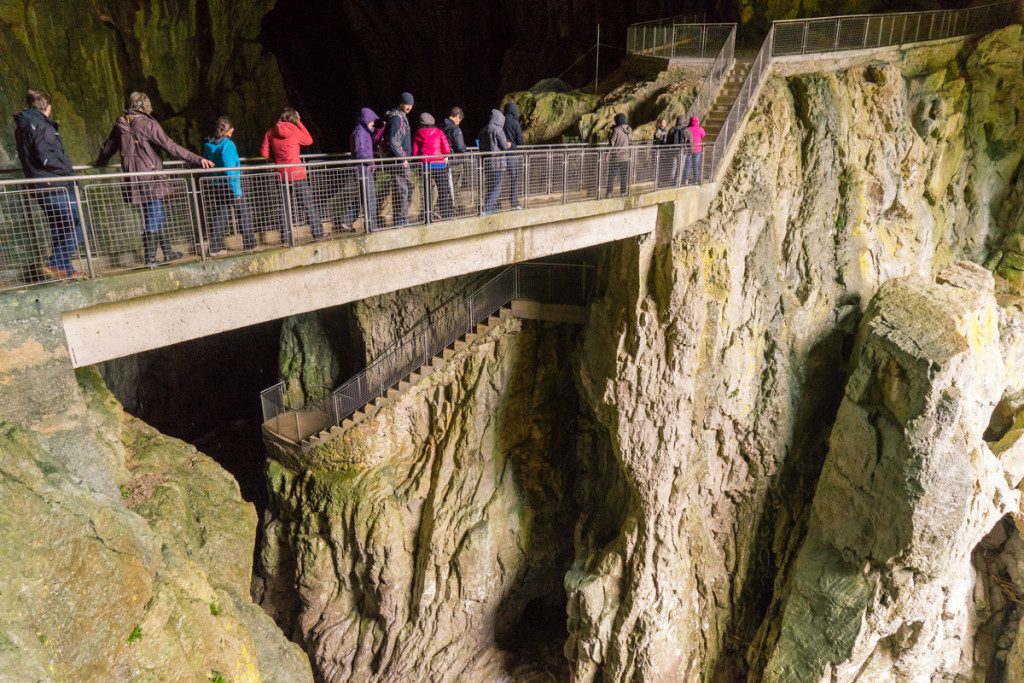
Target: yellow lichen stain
{"x":25,"y":356}
{"x":982,"y":331}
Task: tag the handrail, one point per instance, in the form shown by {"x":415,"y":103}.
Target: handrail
{"x":712,"y":83}
{"x":196,"y":207}
{"x":424,"y":341}
{"x":690,"y":41}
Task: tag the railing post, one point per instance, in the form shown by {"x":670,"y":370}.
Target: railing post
{"x":657,"y":163}
{"x":425,"y":179}
{"x":803,"y":41}
{"x":867,"y":23}
{"x":286,"y":199}
{"x":515,"y":285}
{"x":835,"y":43}
{"x":599,"y":157}
{"x":90,"y":268}
{"x":524,"y":181}
{"x":565,"y":177}
{"x":194,"y":194}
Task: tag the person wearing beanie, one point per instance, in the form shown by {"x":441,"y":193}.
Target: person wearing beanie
{"x":399,"y":137}
{"x":430,"y":142}
{"x":618,"y":161}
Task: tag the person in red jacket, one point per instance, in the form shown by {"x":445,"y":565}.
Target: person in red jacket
{"x":692,"y":172}
{"x":431,"y":142}
{"x":282,"y":144}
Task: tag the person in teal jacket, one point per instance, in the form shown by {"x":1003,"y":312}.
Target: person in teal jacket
{"x":226,"y":191}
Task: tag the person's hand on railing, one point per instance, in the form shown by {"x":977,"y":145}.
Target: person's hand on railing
{"x":206,"y":163}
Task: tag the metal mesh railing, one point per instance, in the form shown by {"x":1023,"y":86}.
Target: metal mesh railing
{"x":858,"y":32}
{"x":715,"y":77}
{"x":545,"y":282}
{"x":94,"y":225}
{"x":678,"y":40}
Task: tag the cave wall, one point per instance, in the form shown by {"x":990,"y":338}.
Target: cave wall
{"x":196,"y":60}
{"x":431,"y":540}
{"x":717,"y":360}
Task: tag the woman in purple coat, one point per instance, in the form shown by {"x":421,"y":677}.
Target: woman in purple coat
{"x":362,"y":148}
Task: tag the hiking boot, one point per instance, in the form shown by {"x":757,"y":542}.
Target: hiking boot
{"x":172,"y":256}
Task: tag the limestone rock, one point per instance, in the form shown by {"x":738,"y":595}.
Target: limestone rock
{"x":883,"y":585}
{"x":156,"y":587}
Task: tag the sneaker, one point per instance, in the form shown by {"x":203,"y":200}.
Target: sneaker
{"x":151,"y":264}
{"x":55,"y":273}
{"x":517,"y":207}
{"x":173,"y":256}
{"x":218,"y":252}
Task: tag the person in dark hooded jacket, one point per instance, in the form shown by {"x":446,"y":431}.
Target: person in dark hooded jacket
{"x":679,"y":135}
{"x":138,"y":137}
{"x":399,"y":137}
{"x":42,"y":155}
{"x":492,"y":139}
{"x":362,"y":148}
{"x":618,"y":160}
{"x":514,"y":163}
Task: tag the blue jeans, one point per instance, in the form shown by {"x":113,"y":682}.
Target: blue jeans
{"x":153,"y":216}
{"x":223,"y":204}
{"x":692,"y":169}
{"x":495,"y":176}
{"x":61,"y":211}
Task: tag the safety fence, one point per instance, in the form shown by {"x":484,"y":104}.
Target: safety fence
{"x":839,"y":34}
{"x":715,"y":78}
{"x":859,"y":32}
{"x":678,"y":40}
{"x":553,"y":283}
{"x":94,"y":225}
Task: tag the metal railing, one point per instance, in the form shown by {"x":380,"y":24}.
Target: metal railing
{"x":678,"y":40}
{"x":858,"y":32}
{"x":545,"y":282}
{"x":714,"y":79}
{"x":838,"y":34}
{"x":95,"y":225}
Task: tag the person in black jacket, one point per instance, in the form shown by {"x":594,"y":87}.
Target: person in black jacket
{"x":399,"y":137}
{"x":679,"y":134}
{"x":42,"y":155}
{"x":514,"y":164}
{"x":453,"y":131}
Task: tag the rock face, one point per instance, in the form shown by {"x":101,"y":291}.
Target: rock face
{"x":709,"y":376}
{"x":430,"y":541}
{"x":195,"y":60}
{"x":884,"y":584}
{"x":154,"y":586}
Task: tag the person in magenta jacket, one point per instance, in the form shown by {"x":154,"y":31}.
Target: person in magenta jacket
{"x":692,"y":171}
{"x":431,"y":142}
{"x":282,"y":144}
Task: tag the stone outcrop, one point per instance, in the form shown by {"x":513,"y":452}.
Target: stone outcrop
{"x":884,"y":584}
{"x":152,"y":586}
{"x":717,"y":358}
{"x":413,"y":546}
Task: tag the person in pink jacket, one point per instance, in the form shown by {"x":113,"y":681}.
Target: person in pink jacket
{"x":283,"y":144}
{"x":431,"y":142}
{"x":693,"y":169}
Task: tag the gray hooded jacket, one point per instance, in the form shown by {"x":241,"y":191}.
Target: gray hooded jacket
{"x":492,"y":137}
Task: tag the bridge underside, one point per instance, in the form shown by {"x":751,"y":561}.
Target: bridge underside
{"x":118,"y":316}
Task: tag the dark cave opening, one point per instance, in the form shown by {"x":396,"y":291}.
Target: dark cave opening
{"x":339,"y":56}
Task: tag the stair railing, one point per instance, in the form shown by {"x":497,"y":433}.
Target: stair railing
{"x":719,"y":71}
{"x":545,"y":282}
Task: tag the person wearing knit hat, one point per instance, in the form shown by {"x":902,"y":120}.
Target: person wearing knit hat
{"x":399,"y":137}
{"x":431,"y":142}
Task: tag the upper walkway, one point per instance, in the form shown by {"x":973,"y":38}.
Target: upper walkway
{"x":545,"y":200}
